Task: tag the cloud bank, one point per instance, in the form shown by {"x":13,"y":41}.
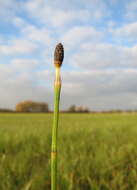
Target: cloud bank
{"x":100,"y":40}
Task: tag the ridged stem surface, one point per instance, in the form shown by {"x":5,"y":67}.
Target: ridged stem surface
{"x":57,"y":89}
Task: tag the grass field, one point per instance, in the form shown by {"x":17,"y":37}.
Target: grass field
{"x":96,"y":151}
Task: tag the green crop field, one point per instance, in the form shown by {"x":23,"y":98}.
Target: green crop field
{"x":96,"y":151}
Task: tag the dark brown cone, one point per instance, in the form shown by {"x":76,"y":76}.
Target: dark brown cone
{"x":58,"y":55}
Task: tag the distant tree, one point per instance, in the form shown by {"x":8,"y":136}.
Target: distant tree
{"x":82,"y":109}
{"x":6,"y":110}
{"x":79,"y":109}
{"x":31,"y":106}
{"x":72,"y":108}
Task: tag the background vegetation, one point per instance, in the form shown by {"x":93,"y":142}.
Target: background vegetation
{"x":96,"y":151}
{"x":31,"y":106}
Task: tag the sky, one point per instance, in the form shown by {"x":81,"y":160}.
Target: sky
{"x":100,"y":43}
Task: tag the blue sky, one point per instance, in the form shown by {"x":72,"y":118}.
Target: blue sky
{"x":100,"y":42}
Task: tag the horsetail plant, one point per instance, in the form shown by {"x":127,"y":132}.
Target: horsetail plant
{"x":58,"y":59}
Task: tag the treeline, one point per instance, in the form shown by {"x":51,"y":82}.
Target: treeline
{"x":6,"y":110}
{"x":78,"y":109}
{"x":29,"y":106}
{"x":34,"y":107}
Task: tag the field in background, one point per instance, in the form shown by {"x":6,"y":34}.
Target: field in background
{"x":96,"y":151}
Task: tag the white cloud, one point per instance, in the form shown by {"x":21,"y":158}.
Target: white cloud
{"x":61,"y":14}
{"x":80,"y":34}
{"x":39,"y":35}
{"x":20,"y":65}
{"x":32,"y":32}
{"x":47,"y":14}
{"x":8,"y":9}
{"x":101,"y":89}
{"x":19,"y":22}
{"x":101,"y":56}
{"x":6,"y":72}
{"x":18,"y":47}
{"x":131,"y":9}
{"x":97,"y":89}
{"x":128,"y":32}
{"x":21,"y":89}
{"x":64,"y":17}
{"x":18,"y":80}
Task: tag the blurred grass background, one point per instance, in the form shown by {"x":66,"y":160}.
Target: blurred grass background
{"x":96,"y":151}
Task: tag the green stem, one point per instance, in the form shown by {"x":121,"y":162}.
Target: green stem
{"x":57,"y":89}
